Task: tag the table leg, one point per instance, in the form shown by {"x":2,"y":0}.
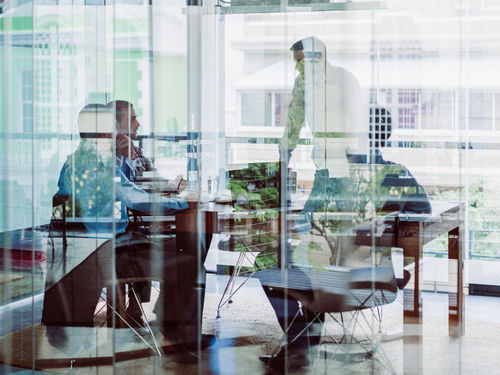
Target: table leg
{"x":455,"y":277}
{"x":193,"y":235}
{"x":412,"y":305}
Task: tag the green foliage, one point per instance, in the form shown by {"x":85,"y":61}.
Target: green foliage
{"x":356,"y":198}
{"x":481,"y":212}
{"x":266,"y":261}
{"x":364,"y":193}
{"x":256,"y":188}
{"x":89,"y":176}
{"x":263,"y":216}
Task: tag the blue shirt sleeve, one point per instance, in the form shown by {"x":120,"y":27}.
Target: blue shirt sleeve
{"x":61,"y":183}
{"x":137,"y":199}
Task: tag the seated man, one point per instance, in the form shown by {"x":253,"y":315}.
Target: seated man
{"x":133,"y":163}
{"x":100,"y":192}
{"x":381,"y":187}
{"x":399,"y":190}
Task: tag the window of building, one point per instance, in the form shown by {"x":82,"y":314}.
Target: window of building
{"x":27,"y":101}
{"x":496,"y":110}
{"x":480,"y":110}
{"x":408,"y":101}
{"x":264,"y":108}
{"x":437,"y":110}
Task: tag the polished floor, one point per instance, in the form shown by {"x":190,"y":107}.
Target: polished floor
{"x":247,"y":329}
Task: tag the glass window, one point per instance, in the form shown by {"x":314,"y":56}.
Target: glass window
{"x":256,"y":108}
{"x":437,"y":110}
{"x":280,"y":110}
{"x":27,"y":101}
{"x":407,"y":108}
{"x":329,"y":140}
{"x":480,"y":110}
{"x":264,"y":108}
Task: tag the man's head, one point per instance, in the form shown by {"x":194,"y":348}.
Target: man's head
{"x":310,"y":47}
{"x":126,"y":118}
{"x":298,"y":51}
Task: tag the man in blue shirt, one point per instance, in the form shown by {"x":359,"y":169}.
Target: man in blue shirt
{"x":100,"y":192}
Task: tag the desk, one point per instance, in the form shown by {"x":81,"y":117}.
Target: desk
{"x":158,"y":184}
{"x":411,"y":232}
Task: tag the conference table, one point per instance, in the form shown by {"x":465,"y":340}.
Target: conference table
{"x":408,"y":231}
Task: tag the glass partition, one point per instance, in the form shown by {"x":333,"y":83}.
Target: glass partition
{"x":93,"y":150}
{"x":18,"y":215}
{"x":239,"y":186}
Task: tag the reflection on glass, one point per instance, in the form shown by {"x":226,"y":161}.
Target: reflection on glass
{"x":320,"y":185}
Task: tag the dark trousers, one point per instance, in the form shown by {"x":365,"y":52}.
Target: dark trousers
{"x":294,"y":320}
{"x":72,"y":300}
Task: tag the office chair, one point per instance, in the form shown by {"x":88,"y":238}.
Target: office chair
{"x":55,"y":223}
{"x":344,"y":295}
{"x":247,"y":255}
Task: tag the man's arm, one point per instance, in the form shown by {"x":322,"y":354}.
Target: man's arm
{"x":61,"y":182}
{"x":146,"y":163}
{"x":125,"y":147}
{"x":137,"y":199}
{"x":296,"y":117}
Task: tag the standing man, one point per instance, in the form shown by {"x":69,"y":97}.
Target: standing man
{"x":328,"y":100}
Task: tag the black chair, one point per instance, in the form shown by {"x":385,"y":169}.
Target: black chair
{"x":137,"y":223}
{"x":344,"y":295}
{"x":58,"y":223}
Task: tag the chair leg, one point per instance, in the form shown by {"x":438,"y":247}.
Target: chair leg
{"x":120,"y":305}
{"x":127,"y":324}
{"x":65,"y":242}
{"x":381,"y":350}
{"x":285,"y":334}
{"x":148,"y":327}
{"x":51,"y":231}
{"x":51,"y":236}
{"x":315,"y":319}
{"x":231,"y":282}
{"x":370,"y":345}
